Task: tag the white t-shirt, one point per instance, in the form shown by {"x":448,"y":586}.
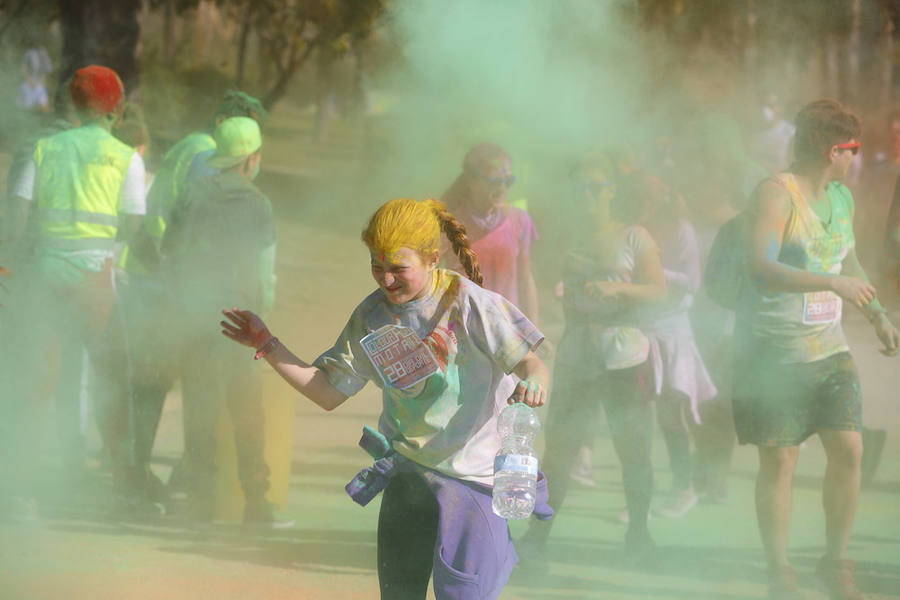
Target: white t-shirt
{"x":447,"y":422}
{"x":132,"y":199}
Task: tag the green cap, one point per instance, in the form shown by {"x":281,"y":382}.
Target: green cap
{"x":236,"y":139}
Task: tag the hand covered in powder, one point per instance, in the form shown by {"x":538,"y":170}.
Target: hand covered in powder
{"x":245,"y":328}
{"x":530,"y":391}
{"x":888,"y":335}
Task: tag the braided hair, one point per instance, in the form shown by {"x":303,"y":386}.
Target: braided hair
{"x":459,"y":241}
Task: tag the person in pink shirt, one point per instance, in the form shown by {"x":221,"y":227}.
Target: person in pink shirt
{"x":501,"y":234}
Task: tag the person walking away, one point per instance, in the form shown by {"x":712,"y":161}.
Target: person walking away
{"x":155,"y":373}
{"x":86,"y":190}
{"x":220,"y":247}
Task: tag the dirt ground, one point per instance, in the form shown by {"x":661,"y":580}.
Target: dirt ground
{"x":77,"y":552}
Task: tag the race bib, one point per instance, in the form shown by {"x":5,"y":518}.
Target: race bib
{"x":399,"y":356}
{"x":821,"y":307}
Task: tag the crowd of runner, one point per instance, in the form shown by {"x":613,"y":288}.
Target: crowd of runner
{"x":707,"y":301}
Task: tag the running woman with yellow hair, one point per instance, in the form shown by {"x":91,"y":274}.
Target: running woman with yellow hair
{"x":439,"y":346}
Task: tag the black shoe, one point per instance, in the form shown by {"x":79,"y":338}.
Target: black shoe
{"x":261,"y":514}
{"x":136,"y":507}
{"x":873,"y":447}
{"x":640,"y":550}
{"x":533,"y":560}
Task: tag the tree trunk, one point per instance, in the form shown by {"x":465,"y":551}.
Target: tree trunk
{"x":887,"y":62}
{"x":100,"y":32}
{"x":284,"y":77}
{"x":13,"y":15}
{"x":324,"y":91}
{"x":169,"y":34}
{"x":853,"y":52}
{"x":242,"y":46}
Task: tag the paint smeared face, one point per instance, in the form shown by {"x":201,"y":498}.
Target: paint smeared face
{"x":402,"y":275}
{"x":489,"y":186}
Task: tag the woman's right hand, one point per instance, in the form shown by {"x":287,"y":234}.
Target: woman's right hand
{"x":853,"y":289}
{"x":245,"y":328}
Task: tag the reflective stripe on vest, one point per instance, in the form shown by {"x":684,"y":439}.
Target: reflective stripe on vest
{"x":75,"y":244}
{"x":82,"y":216}
{"x":80,"y":173}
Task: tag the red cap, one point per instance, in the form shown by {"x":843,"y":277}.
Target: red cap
{"x":96,"y":89}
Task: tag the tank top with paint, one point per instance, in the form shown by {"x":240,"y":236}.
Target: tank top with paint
{"x":804,"y":327}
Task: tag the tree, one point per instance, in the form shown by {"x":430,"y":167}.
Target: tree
{"x":290,"y":31}
{"x":104,"y":32}
{"x":11,"y":11}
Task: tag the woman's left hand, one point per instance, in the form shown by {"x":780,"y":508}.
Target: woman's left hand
{"x":530,"y":391}
{"x":888,"y":335}
{"x":602,"y":290}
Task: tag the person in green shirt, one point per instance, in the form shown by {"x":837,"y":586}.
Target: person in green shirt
{"x":154,"y":369}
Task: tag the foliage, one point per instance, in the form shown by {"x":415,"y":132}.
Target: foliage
{"x":290,"y":30}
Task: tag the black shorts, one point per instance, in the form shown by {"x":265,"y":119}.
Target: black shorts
{"x":783,"y":404}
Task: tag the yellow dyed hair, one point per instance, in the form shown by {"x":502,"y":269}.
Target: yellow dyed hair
{"x":404,"y":222}
{"x":407,"y":223}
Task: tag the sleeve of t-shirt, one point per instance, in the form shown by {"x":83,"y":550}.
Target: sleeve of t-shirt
{"x":23,"y":186}
{"x":498,"y":328}
{"x":686,"y":277}
{"x":345,"y":364}
{"x":640,"y":241}
{"x":133,"y":199}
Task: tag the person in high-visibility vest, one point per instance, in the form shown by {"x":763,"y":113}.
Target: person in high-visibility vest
{"x":86,"y":190}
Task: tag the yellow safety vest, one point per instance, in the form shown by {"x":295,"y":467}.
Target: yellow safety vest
{"x":79,"y":180}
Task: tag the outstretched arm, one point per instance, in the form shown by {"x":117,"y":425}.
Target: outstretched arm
{"x":248,"y":329}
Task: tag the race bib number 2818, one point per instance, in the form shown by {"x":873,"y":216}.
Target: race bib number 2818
{"x":400,"y":356}
{"x":821,"y":307}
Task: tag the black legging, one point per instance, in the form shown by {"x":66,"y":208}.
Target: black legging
{"x":625,"y":399}
{"x":407,"y":531}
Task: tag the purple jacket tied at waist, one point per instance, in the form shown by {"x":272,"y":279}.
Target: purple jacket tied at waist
{"x":370,"y":482}
{"x":474,"y":553}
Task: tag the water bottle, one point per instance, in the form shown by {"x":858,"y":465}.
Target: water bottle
{"x":516,"y":466}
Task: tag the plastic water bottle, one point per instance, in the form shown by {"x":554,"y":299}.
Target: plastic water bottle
{"x":516,"y":466}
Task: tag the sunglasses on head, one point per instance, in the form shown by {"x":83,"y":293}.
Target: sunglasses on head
{"x":506,"y":181}
{"x":853,"y":147}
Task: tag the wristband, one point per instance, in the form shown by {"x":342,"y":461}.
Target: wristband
{"x":261,"y":338}
{"x":875,"y":314}
{"x":266,"y":348}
